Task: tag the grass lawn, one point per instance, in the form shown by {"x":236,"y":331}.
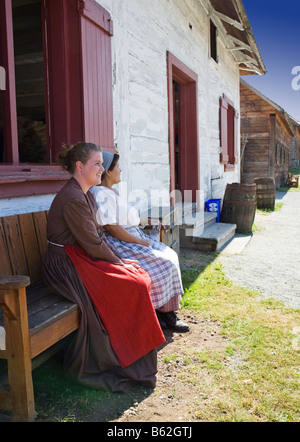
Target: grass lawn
{"x":256,"y":377}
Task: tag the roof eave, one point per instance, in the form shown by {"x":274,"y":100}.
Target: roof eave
{"x":250,"y":35}
{"x":235,"y":31}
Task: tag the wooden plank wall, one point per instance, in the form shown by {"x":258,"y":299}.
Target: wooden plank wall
{"x":255,"y":122}
{"x":295,"y":147}
{"x":260,"y":158}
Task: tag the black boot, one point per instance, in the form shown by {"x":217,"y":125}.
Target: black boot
{"x":171,"y":320}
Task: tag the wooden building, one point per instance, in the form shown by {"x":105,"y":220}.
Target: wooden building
{"x":295,"y":144}
{"x":268,"y":130}
{"x":158,"y":81}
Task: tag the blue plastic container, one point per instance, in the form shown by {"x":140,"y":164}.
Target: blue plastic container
{"x":214,"y":206}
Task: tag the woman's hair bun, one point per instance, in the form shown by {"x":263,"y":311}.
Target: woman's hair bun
{"x":71,"y":153}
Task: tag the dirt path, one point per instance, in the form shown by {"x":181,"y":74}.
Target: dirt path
{"x":270,"y":262}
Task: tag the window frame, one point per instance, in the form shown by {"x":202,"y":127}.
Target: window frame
{"x":24,"y":179}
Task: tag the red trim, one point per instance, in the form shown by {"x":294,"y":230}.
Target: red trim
{"x":236,"y":136}
{"x":228,"y":100}
{"x":9,"y":95}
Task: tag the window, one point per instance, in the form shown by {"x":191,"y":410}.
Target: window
{"x":29,"y":77}
{"x":213,"y":41}
{"x":57,"y":59}
{"x":228,"y":133}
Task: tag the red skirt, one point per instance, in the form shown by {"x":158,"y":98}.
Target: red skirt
{"x":121,"y":297}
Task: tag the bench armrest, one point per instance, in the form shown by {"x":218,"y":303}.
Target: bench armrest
{"x":14,"y":282}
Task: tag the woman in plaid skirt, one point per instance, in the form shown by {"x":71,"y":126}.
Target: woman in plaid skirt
{"x":121,"y":222}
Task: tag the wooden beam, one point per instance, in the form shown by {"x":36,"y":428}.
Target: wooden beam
{"x":256,"y":71}
{"x":243,"y":58}
{"x":239,"y":42}
{"x":242,"y":14}
{"x":237,"y":48}
{"x":229,"y":20}
{"x":231,"y":43}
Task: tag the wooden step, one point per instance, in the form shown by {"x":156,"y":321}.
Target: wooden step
{"x":195,"y":224}
{"x":214,"y":237}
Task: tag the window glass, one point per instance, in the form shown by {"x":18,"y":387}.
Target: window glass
{"x":213,"y":41}
{"x":29,"y":71}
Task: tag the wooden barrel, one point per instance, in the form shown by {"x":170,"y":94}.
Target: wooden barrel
{"x":239,"y":206}
{"x":265,"y":193}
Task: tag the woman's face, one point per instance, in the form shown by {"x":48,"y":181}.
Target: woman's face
{"x":91,"y":171}
{"x":115,"y":174}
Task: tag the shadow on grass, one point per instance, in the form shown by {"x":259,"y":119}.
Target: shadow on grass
{"x":193,"y":263}
{"x":59,"y":399}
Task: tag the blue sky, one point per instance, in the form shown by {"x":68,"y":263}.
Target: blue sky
{"x":276,"y":28}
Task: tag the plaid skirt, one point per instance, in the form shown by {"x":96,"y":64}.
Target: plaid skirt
{"x":160,"y":262}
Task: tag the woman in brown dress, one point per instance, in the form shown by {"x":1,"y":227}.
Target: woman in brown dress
{"x":115,"y":345}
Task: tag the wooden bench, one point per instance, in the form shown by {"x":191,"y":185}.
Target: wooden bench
{"x":33,"y":317}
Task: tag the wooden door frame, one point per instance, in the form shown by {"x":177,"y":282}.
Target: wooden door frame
{"x":11,"y":145}
{"x":190,"y":166}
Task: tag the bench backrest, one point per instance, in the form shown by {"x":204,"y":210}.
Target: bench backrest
{"x":23,"y":243}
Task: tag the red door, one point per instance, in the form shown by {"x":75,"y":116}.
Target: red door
{"x":183,"y":129}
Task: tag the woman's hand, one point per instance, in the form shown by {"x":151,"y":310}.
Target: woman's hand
{"x":143,"y":242}
{"x":131,"y":264}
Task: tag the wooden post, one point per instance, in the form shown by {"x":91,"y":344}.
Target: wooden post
{"x":13,"y":303}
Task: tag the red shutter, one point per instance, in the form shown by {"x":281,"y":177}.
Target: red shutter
{"x":236,"y":136}
{"x":224,"y":130}
{"x":62,"y":73}
{"x":79,"y":73}
{"x":97,"y":104}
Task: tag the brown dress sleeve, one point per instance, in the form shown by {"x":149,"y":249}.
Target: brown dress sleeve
{"x":81,"y":223}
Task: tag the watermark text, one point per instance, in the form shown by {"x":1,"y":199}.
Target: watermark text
{"x":296,"y":79}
